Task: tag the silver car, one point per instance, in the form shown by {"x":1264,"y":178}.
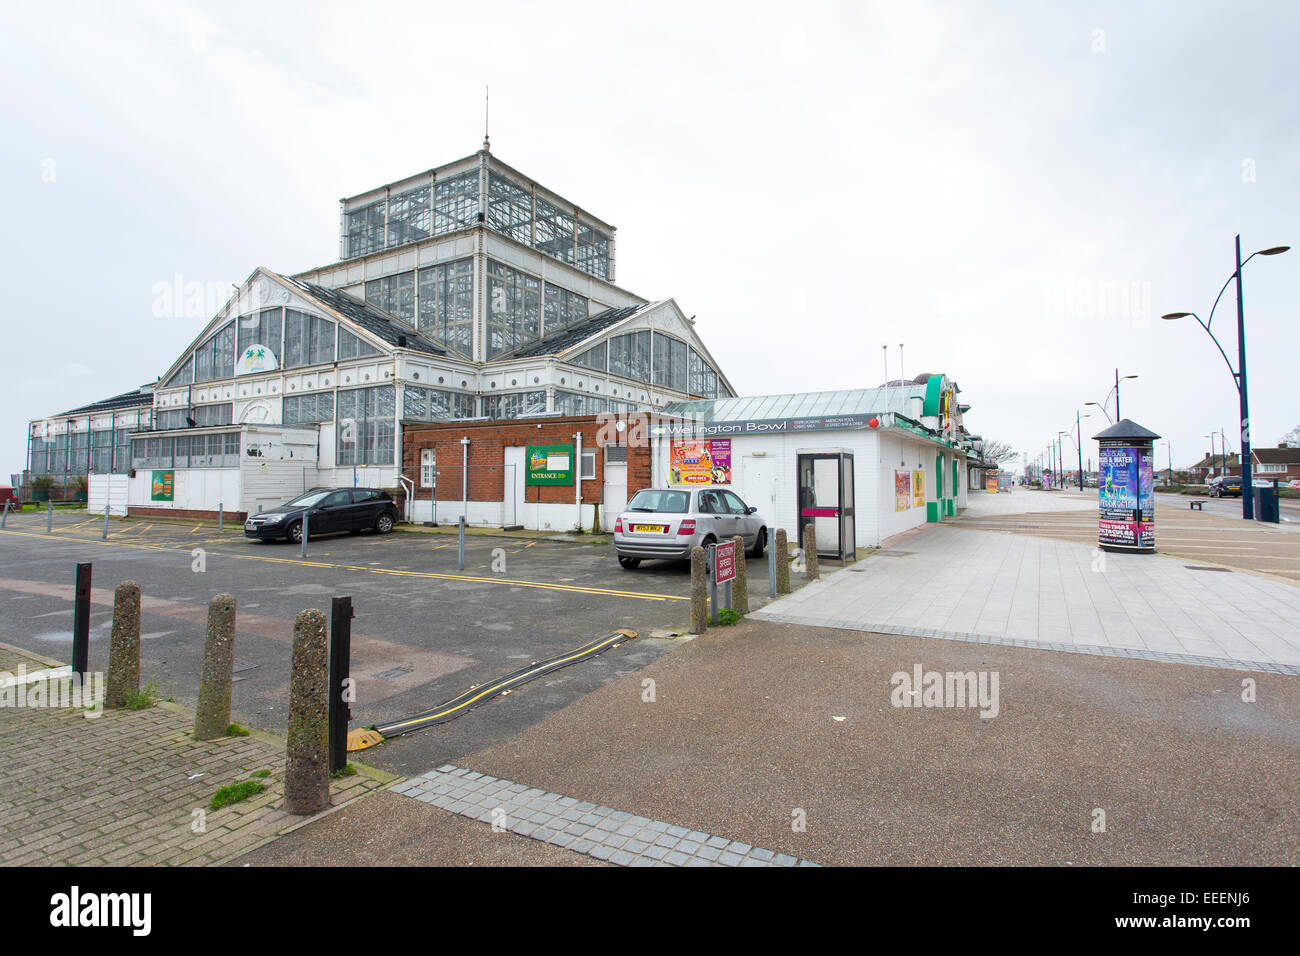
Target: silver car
{"x":668,"y":523}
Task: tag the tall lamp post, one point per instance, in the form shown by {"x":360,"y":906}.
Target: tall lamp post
{"x":1210,"y":436}
{"x":1102,"y":403}
{"x":1238,"y":374}
{"x":1078,"y":445}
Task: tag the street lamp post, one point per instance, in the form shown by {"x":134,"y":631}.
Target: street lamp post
{"x":1239,"y":374}
{"x":1210,"y":436}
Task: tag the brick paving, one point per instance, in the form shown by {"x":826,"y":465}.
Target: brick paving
{"x":123,"y":788}
{"x":604,"y":833}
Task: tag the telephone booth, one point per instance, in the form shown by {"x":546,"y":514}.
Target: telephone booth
{"x":826,"y":502}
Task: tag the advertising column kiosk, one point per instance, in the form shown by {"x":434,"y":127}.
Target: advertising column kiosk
{"x":1126,"y":488}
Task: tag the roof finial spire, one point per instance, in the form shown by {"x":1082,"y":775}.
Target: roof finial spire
{"x":486,"y":145}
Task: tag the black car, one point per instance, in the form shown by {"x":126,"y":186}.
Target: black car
{"x":328,"y":510}
{"x":1224,"y":486}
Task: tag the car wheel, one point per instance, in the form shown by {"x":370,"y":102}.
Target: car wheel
{"x":384,"y":523}
{"x":630,"y":564}
{"x":760,"y":541}
{"x":295,"y":532}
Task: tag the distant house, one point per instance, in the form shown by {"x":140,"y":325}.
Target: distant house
{"x":1280,"y":463}
{"x":1215,"y":465}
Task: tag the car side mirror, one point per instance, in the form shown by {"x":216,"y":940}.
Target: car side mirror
{"x":751,"y":509}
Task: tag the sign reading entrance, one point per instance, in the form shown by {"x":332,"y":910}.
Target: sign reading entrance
{"x":724,"y":557}
{"x":163,"y":486}
{"x":548,"y":465}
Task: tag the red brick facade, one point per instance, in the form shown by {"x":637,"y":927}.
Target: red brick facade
{"x":488,"y":442}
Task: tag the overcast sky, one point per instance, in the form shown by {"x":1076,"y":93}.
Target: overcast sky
{"x":1015,"y":191}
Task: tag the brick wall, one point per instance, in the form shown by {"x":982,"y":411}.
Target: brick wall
{"x":488,"y":441}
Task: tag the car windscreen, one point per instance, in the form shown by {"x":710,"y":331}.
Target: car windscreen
{"x":307,"y":500}
{"x":666,"y":502}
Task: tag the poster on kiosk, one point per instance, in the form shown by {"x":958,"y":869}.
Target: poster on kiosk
{"x":1126,"y":489}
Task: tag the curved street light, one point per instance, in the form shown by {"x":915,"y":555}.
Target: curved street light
{"x":1238,"y":374}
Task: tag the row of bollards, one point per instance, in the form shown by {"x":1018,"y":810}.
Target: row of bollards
{"x":319,"y":684}
{"x":703,"y":589}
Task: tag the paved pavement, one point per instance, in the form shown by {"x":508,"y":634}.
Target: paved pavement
{"x":959,"y":581}
{"x":788,"y":738}
{"x":133,"y":788}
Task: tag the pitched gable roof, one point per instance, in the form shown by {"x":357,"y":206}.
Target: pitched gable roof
{"x":393,"y":331}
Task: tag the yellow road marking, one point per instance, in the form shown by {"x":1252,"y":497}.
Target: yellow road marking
{"x":433,"y":575}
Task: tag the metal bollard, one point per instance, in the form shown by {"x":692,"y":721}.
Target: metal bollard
{"x":340,"y":663}
{"x":221,"y":517}
{"x":304,"y":534}
{"x":771,"y":569}
{"x":4,"y":514}
{"x":104,"y":534}
{"x":460,"y":547}
{"x":81,"y":622}
{"x":699,"y":592}
{"x":49,"y":516}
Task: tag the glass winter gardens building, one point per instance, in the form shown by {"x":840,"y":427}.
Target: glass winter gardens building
{"x":467,"y":291}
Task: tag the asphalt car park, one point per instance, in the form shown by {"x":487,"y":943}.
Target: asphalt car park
{"x":424,"y":631}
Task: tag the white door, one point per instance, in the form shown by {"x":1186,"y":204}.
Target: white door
{"x":512,"y":497}
{"x":614,"y":499}
{"x":758,"y":488}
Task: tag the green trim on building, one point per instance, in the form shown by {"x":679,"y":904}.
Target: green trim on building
{"x":933,"y":394}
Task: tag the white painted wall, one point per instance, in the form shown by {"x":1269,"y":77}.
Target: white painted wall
{"x":108,"y":490}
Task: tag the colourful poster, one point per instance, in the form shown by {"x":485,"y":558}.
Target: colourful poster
{"x":918,"y":489}
{"x":902,"y":490}
{"x":702,"y":462}
{"x":548,"y":465}
{"x":1126,"y":504}
{"x":163,"y":486}
{"x":992,"y":484}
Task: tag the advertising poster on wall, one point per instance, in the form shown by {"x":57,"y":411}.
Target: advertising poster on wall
{"x":703,"y":462}
{"x":548,"y":465}
{"x":902,"y":490}
{"x":918,"y":489}
{"x":162,"y":487}
{"x":1126,"y":503}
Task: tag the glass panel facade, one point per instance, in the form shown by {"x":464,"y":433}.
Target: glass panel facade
{"x":308,"y":340}
{"x":261,"y":329}
{"x":702,"y":379}
{"x":455,"y":202}
{"x":563,"y":308}
{"x":409,"y":216}
{"x":447,"y":305}
{"x":510,"y":208}
{"x":219,"y":450}
{"x":593,"y":251}
{"x":350,"y":346}
{"x":215,"y":358}
{"x":435,"y":405}
{"x":366,"y":426}
{"x":515,"y":405}
{"x":316,"y":407}
{"x":554,"y":231}
{"x":184,"y":375}
{"x":576,"y":403}
{"x":363,"y":230}
{"x":514,"y":308}
{"x":593,"y":358}
{"x":629,"y":356}
{"x":394,"y":294}
{"x":670,"y":362}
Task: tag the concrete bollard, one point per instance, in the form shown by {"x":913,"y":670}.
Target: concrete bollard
{"x":699,"y":592}
{"x":740,"y":586}
{"x":782,"y":562}
{"x":213,"y":718}
{"x":811,"y":570}
{"x":307,"y":776}
{"x":124,"y":649}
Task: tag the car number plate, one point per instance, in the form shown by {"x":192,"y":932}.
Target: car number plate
{"x":652,"y":528}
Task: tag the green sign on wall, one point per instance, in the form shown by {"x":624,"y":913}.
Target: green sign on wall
{"x":548,"y":465}
{"x":163,"y":486}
